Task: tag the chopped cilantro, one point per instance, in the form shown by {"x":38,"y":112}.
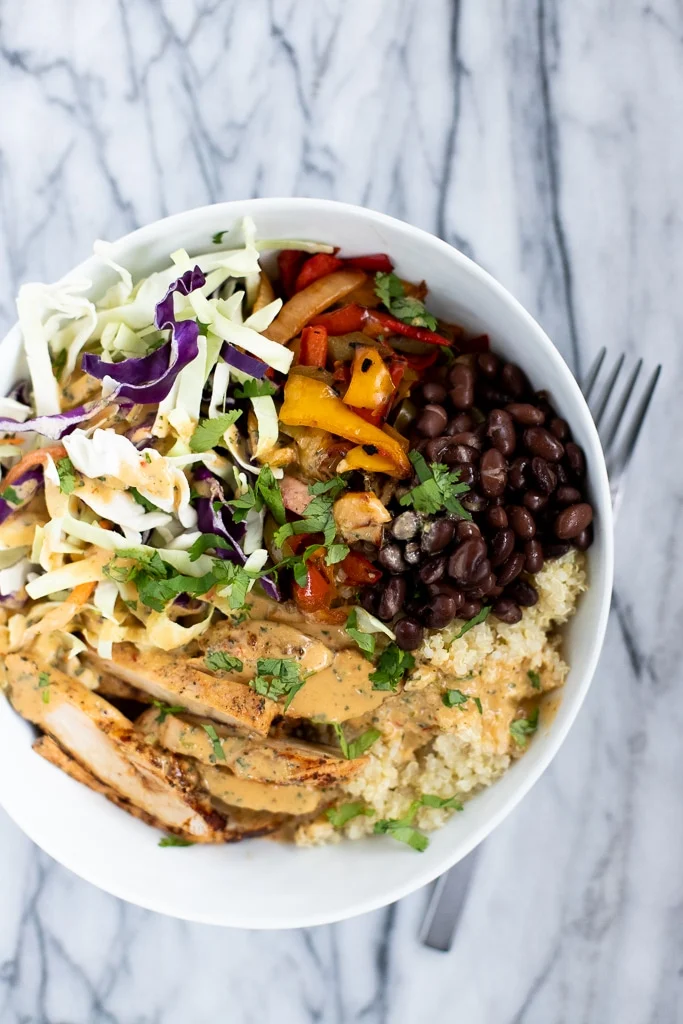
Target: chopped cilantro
{"x":219,"y":661}
{"x":67,"y":475}
{"x":454,"y":698}
{"x":9,"y":494}
{"x":366,"y":641}
{"x":209,"y":433}
{"x":448,"y":803}
{"x":522,"y":728}
{"x":534,"y":679}
{"x":175,"y":841}
{"x":218,"y":752}
{"x":277,"y":677}
{"x":253,"y":388}
{"x":358,"y":746}
{"x":389,"y":289}
{"x":438,"y":488}
{"x":218,"y":237}
{"x":477,"y":701}
{"x":333,"y":487}
{"x":204,"y":542}
{"x":59,"y":362}
{"x":336,"y":553}
{"x":471,"y":623}
{"x":44,"y":684}
{"x":402,"y":829}
{"x":141,"y":499}
{"x":167,"y":709}
{"x":392,"y":666}
{"x":264,"y":492}
{"x":339,"y":816}
{"x":203,"y":328}
{"x":318,"y":518}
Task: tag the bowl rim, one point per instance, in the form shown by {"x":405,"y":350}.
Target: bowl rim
{"x":231,"y":210}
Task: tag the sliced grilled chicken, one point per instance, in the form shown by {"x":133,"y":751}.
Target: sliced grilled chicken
{"x":253,"y":640}
{"x":111,"y":686}
{"x":282,"y":761}
{"x":98,"y":736}
{"x":174,"y":679}
{"x":259,"y":796}
{"x":334,"y":637}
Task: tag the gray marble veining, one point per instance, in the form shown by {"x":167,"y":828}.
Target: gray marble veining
{"x":542,"y":138}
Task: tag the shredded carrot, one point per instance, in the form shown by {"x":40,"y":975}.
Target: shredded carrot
{"x":80,"y":594}
{"x":57,"y":451}
{"x":12,"y":440}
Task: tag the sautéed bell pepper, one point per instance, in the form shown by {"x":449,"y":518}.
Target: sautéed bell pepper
{"x":313,"y":347}
{"x":371,"y":385}
{"x":317,"y":266}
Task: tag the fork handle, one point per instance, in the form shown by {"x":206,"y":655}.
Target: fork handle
{"x":447,"y":903}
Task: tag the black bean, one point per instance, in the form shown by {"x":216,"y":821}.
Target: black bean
{"x":502,"y":546}
{"x":506,"y":610}
{"x":583,"y":540}
{"x":432,"y":391}
{"x":559,"y":428}
{"x":576,"y":460}
{"x":469,"y":609}
{"x":514,"y":380}
{"x":533,"y":556}
{"x":460,"y":423}
{"x":432,"y":421}
{"x":573,"y":520}
{"x":465,"y":529}
{"x":405,"y":526}
{"x":462,"y":381}
{"x":523,"y":593}
{"x":493,"y":396}
{"x":369,"y":599}
{"x":393,"y":596}
{"x":437,"y":535}
{"x":412,"y":553}
{"x":466,"y":558}
{"x":433,"y":569}
{"x":534,"y":501}
{"x":521,"y":521}
{"x":482,"y":570}
{"x":468,"y":437}
{"x":519,"y":470}
{"x":436,"y":447}
{"x":391,"y":558}
{"x":501,"y":430}
{"x":540,"y":441}
{"x":467,"y":474}
{"x":566,"y":495}
{"x":409,"y":634}
{"x":555,"y":550}
{"x":474,"y":502}
{"x":439,"y":613}
{"x":545,"y":477}
{"x":508,"y":571}
{"x":562,"y":474}
{"x":434,"y":589}
{"x":460,"y":453}
{"x":497,"y":517}
{"x":493,"y":473}
{"x":488,"y":363}
{"x":526,"y":414}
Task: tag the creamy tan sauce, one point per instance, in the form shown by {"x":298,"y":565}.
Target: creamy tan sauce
{"x":259,"y":796}
{"x":342,"y":691}
{"x":253,"y":640}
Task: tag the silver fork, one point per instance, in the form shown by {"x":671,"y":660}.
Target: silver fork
{"x":619,"y":417}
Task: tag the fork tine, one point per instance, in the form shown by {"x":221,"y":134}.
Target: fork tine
{"x":607,"y":391}
{"x":592,"y":375}
{"x":611,"y":433}
{"x":619,"y":462}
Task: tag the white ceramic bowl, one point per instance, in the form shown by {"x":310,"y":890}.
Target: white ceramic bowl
{"x":261,"y":884}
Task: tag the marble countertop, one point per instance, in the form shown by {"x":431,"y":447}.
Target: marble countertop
{"x":540,"y":138}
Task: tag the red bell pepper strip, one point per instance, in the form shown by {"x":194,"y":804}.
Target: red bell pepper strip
{"x":376,"y":262}
{"x":374,"y":416}
{"x":360,"y":569}
{"x":313,"y":347}
{"x":316,"y":594}
{"x":289,"y":262}
{"x":315,"y":267}
{"x":341,"y":321}
{"x":393,"y":326}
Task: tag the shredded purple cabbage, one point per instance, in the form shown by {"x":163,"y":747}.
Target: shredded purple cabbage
{"x":241,"y":361}
{"x":25,"y":487}
{"x":56,"y":426}
{"x":148,"y":380}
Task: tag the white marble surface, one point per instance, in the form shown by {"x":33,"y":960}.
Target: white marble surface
{"x":543,"y":138}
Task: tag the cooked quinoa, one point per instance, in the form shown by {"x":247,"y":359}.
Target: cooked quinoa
{"x":428,"y":748}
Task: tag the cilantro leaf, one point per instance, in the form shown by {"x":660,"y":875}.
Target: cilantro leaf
{"x":265,"y":491}
{"x":209,"y":433}
{"x":218,"y":752}
{"x":449,"y":803}
{"x":44,"y":684}
{"x":67,"y":475}
{"x":358,"y":746}
{"x":175,"y":841}
{"x":534,"y":679}
{"x":391,"y":668}
{"x":336,"y":553}
{"x":471,"y":623}
{"x":339,"y":816}
{"x":253,"y":388}
{"x":9,"y":494}
{"x":402,"y":829}
{"x":333,"y":487}
{"x":277,"y":677}
{"x":142,"y":500}
{"x":366,"y":641}
{"x":218,"y":237}
{"x":477,"y":701}
{"x":159,"y":583}
{"x":390,"y":291}
{"x":454,"y":698}
{"x":522,"y":728}
{"x":206,"y":541}
{"x":318,"y":518}
{"x":167,"y":709}
{"x":438,"y":488}
{"x":219,"y":661}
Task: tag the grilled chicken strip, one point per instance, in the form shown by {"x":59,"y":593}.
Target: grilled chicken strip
{"x":176,"y":680}
{"x":253,"y":640}
{"x":110,"y":686}
{"x":259,"y":796}
{"x":281,"y":761}
{"x":98,"y":736}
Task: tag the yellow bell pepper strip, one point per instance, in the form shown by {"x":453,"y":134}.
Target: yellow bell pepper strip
{"x":371,"y":385}
{"x":313,"y":403}
{"x":365,"y":457}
